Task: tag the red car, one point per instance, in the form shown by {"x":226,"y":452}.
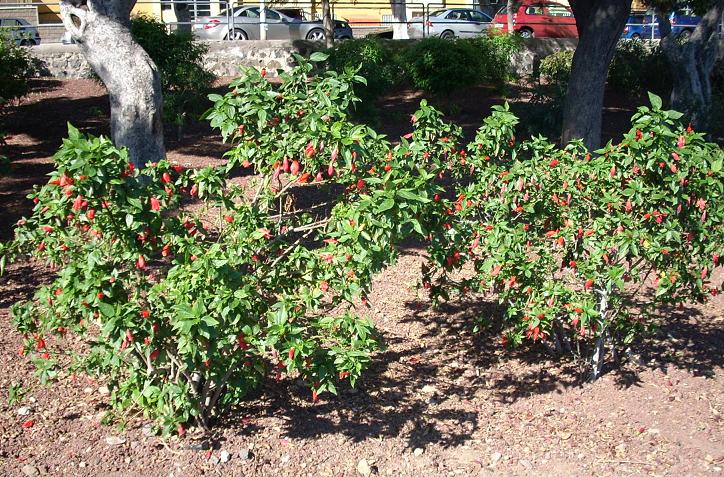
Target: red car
{"x":540,"y":20}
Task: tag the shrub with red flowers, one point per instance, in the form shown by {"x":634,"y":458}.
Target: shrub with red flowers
{"x":581,"y":247}
{"x":187,"y":289}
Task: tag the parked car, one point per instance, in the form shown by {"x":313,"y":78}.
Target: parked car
{"x":342,"y":30}
{"x":20,"y":31}
{"x":646,"y":25}
{"x":243,"y":24}
{"x":450,"y":23}
{"x":539,"y":19}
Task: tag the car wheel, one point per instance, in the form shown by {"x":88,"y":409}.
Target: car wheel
{"x":526,"y":33}
{"x":447,"y":35}
{"x":25,"y":42}
{"x":237,"y":35}
{"x":685,"y":34}
{"x":316,"y":34}
{"x":635,"y":36}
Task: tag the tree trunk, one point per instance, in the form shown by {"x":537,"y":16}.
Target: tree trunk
{"x":509,"y":9}
{"x":692,"y":63}
{"x":399,"y":13}
{"x":101,"y":29}
{"x":183,"y":17}
{"x":600,"y":24}
{"x":328,"y":24}
{"x":598,"y":357}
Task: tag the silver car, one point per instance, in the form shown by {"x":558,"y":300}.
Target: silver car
{"x":243,"y":24}
{"x":450,"y":23}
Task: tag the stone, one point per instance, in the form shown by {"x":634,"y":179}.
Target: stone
{"x":418,"y":452}
{"x":104,"y":391}
{"x":428,"y":389}
{"x":24,"y":411}
{"x":244,"y":453}
{"x":224,"y":456}
{"x":199,"y":446}
{"x":214,"y":460}
{"x":495,"y":458}
{"x":363,"y":468}
{"x":30,"y":470}
{"x":526,"y":464}
{"x":115,"y":440}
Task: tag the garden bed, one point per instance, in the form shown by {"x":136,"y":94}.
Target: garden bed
{"x":470,"y":407}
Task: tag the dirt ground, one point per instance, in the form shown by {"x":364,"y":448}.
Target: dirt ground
{"x":439,"y":400}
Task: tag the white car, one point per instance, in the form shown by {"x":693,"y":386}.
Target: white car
{"x":450,"y":23}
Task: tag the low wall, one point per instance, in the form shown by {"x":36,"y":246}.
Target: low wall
{"x":224,"y":57}
{"x":526,"y":61}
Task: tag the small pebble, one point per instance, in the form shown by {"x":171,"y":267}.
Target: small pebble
{"x":30,"y":470}
{"x":115,"y":440}
{"x":224,"y":456}
{"x":244,"y":453}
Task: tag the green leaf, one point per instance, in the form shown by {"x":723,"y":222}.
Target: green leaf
{"x":716,"y":165}
{"x":318,"y":56}
{"x":655,"y":101}
{"x":107,"y":309}
{"x":387,"y":204}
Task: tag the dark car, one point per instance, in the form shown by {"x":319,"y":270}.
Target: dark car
{"x":20,"y":31}
{"x":646,"y":25}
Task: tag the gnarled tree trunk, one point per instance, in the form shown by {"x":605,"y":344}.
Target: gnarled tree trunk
{"x":692,"y":62}
{"x":600,"y":24}
{"x":399,"y":14}
{"x":101,"y":29}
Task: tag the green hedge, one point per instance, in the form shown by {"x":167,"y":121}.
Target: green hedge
{"x":431,"y":64}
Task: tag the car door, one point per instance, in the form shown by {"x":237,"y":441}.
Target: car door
{"x":9,"y":28}
{"x":455,"y":22}
{"x":560,"y":22}
{"x":276,"y":29}
{"x":248,"y":20}
{"x":479,"y":22}
{"x":531,"y":17}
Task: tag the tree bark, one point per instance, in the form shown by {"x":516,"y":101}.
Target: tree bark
{"x":600,"y":24}
{"x":692,"y":62}
{"x":101,"y":29}
{"x":328,"y":24}
{"x":509,"y":9}
{"x":183,"y":17}
{"x":399,"y":13}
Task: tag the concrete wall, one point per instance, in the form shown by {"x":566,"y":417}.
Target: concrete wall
{"x":224,"y":58}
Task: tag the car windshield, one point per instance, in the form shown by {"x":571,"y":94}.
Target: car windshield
{"x":225,"y":12}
